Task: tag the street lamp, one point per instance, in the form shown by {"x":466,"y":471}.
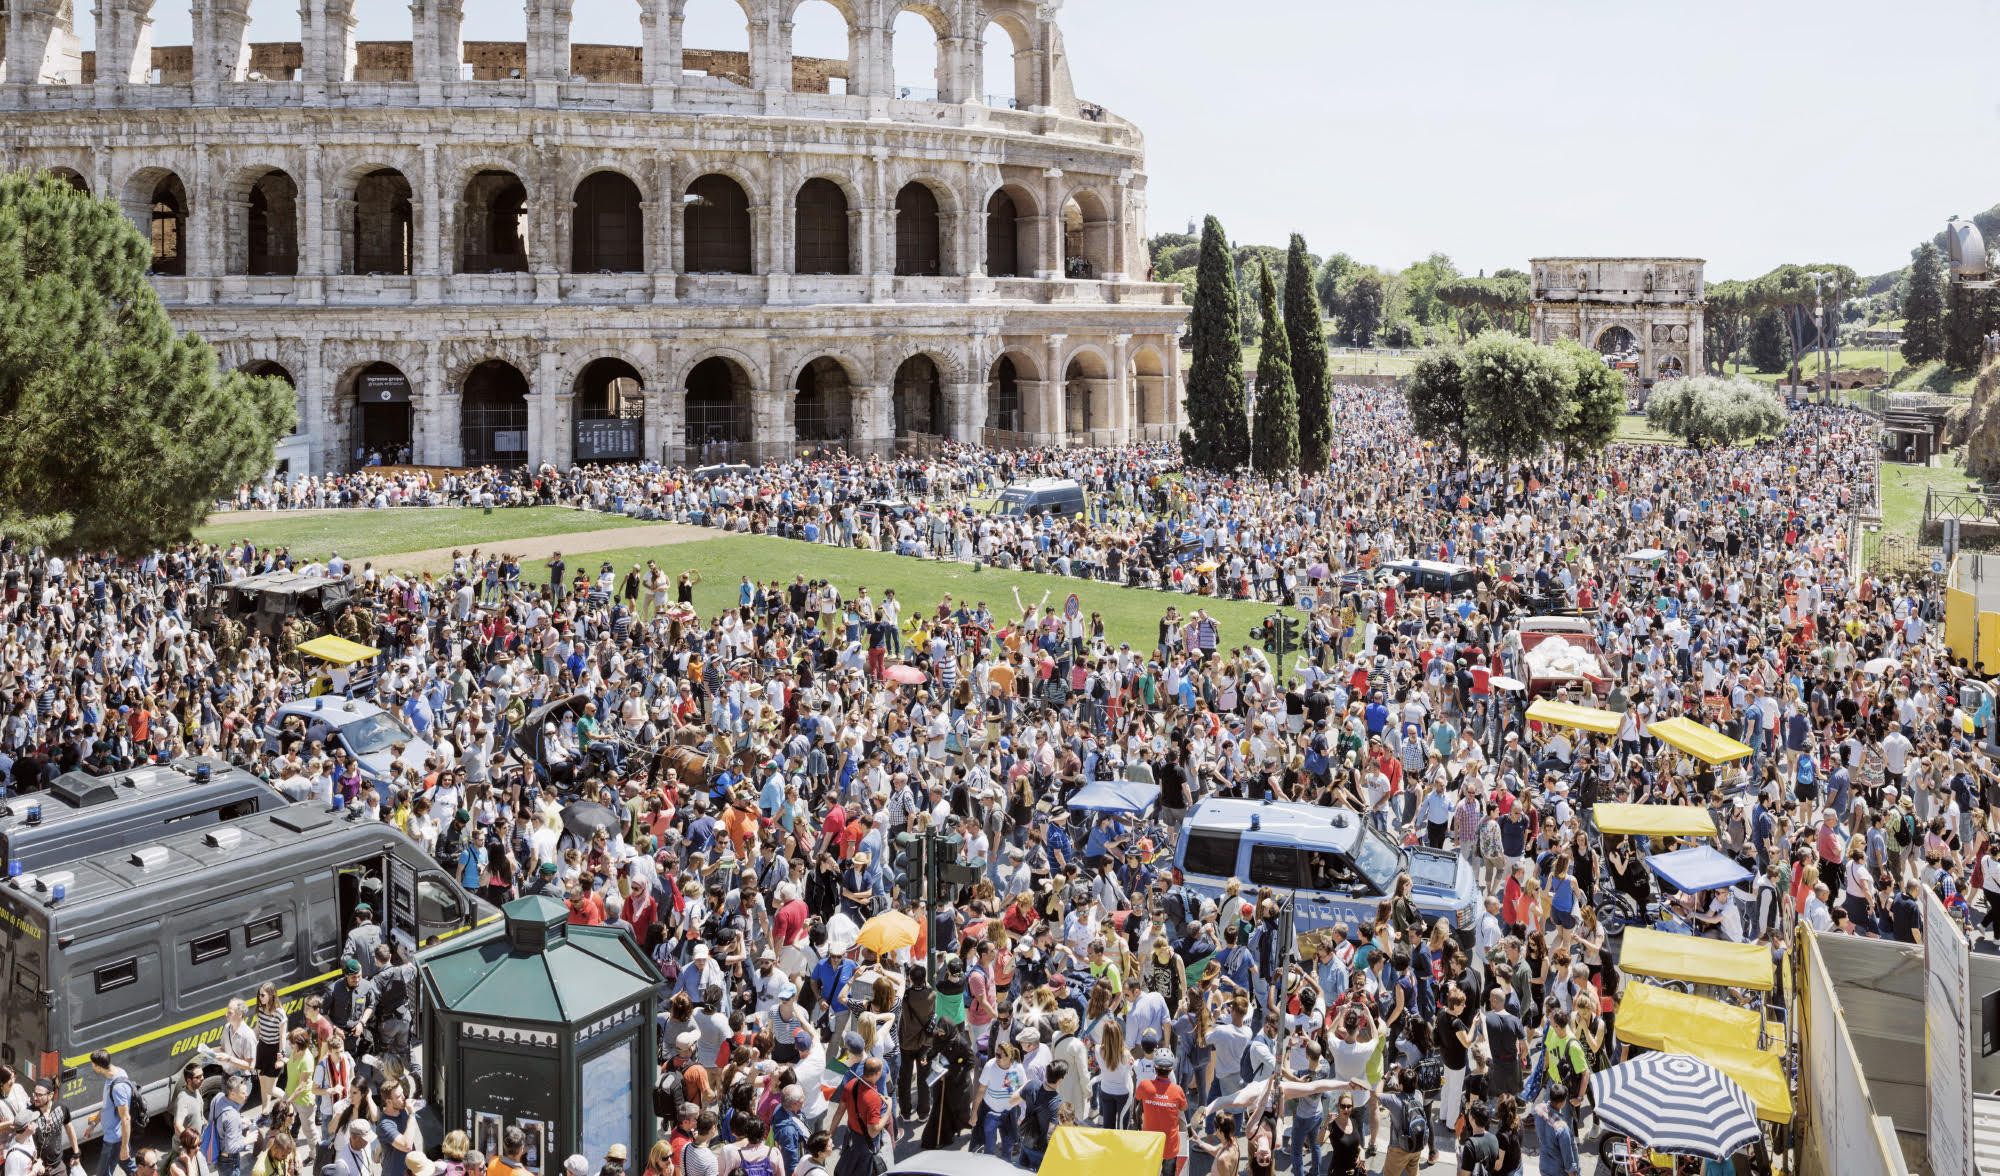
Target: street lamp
{"x":1819,"y":329}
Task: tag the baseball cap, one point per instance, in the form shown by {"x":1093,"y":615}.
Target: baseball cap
{"x":577,"y":1166}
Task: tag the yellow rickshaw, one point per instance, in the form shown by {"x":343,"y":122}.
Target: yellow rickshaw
{"x":1657,"y":1010}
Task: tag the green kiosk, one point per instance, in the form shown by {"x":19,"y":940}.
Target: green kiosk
{"x":537,"y":1024}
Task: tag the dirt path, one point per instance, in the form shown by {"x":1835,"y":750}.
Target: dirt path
{"x":541,"y":547}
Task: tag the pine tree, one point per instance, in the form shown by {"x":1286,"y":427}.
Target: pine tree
{"x":1217,"y":436}
{"x":1306,"y":335}
{"x":1770,"y":347}
{"x":1275,"y":449}
{"x":1923,"y":307}
{"x":120,"y":433}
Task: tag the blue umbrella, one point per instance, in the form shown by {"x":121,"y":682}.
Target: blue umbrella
{"x":1699,"y":868}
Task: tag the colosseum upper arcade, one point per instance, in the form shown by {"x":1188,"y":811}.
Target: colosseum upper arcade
{"x":507,"y":252}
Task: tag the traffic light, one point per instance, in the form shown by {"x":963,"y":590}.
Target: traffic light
{"x":1267,"y":633}
{"x":910,"y":872}
{"x":1288,"y":637}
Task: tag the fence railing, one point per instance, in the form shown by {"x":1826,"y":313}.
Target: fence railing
{"x":1964,"y":506}
{"x":1006,"y":439}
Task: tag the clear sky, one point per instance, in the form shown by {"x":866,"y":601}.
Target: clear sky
{"x":1747,"y":132}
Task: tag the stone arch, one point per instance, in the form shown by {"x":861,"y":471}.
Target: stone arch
{"x":918,"y":403}
{"x":1012,"y":239}
{"x":720,"y":236}
{"x":608,"y":224}
{"x":156,"y":200}
{"x":493,"y":228}
{"x":717,"y":393}
{"x":710,"y":52}
{"x":1086,"y":391}
{"x":1008,"y":406}
{"x":1151,"y":389}
{"x":822,"y":231}
{"x":493,"y":415}
{"x":823,"y":401}
{"x":1087,"y":234}
{"x":1015,"y":67}
{"x":262,"y":206}
{"x":378,"y":235}
{"x":608,"y":388}
{"x":919,"y":66}
{"x":920,"y":235}
{"x":374,"y":399}
{"x":812,"y":36}
{"x":1616,"y":339}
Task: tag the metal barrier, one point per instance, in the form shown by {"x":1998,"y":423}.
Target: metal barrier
{"x":1005,"y":439}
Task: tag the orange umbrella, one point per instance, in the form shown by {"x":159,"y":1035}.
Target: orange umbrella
{"x":887,"y":932}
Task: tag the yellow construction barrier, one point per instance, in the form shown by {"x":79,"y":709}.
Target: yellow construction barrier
{"x":1096,"y":1151}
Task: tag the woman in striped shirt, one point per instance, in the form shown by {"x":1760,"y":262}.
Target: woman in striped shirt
{"x":270,"y":1028}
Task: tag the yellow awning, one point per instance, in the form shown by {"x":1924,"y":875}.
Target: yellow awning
{"x":1695,"y":961}
{"x":1649,"y":1015}
{"x":1653,"y":820}
{"x":338,"y":650}
{"x":1584,"y":718}
{"x":1096,"y":1151}
{"x":1760,"y":1074}
{"x":1703,"y":743}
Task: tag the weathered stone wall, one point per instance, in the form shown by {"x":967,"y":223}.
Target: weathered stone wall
{"x":434,"y":220}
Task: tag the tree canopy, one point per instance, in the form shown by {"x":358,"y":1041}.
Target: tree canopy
{"x":120,"y":433}
{"x":1517,"y":396}
{"x":1597,"y":397}
{"x":1715,"y":410}
{"x":1434,"y":392}
{"x":1923,"y":307}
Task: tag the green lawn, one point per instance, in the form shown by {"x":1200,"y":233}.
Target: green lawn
{"x":1633,"y":427}
{"x":1903,"y":489}
{"x":366,"y":533}
{"x":1130,"y":614}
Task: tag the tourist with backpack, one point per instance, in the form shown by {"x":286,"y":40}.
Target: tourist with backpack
{"x":122,"y":1117}
{"x":1408,"y":1123}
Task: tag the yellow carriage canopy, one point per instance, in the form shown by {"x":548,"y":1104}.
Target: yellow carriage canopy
{"x":1703,"y":743}
{"x":338,"y":650}
{"x":1652,"y":820}
{"x":1096,"y":1151}
{"x":1583,"y":718}
{"x":1695,"y":961}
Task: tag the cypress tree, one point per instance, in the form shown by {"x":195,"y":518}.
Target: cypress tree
{"x":1276,"y":448}
{"x":1306,"y":335}
{"x":1965,"y":327}
{"x":1923,"y":307}
{"x":120,"y":432}
{"x":1217,"y":436}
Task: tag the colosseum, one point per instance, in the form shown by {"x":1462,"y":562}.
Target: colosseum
{"x":465,"y":252}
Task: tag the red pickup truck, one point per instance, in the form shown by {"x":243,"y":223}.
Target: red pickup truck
{"x":1562,"y":651}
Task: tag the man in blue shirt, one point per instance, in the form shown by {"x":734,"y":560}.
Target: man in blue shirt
{"x":1554,"y":1139}
{"x":115,"y":1117}
{"x":832,"y":976}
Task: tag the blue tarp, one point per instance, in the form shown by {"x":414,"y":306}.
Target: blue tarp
{"x":1116,"y":796}
{"x":1699,"y":868}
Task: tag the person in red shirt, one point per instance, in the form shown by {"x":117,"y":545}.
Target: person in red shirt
{"x":788,"y":924}
{"x":1161,"y":1102}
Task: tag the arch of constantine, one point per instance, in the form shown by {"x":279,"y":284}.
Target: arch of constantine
{"x":1644,"y":308}
{"x":513,"y":252}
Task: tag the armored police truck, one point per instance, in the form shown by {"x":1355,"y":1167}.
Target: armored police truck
{"x":80,"y":814}
{"x":139,"y":950}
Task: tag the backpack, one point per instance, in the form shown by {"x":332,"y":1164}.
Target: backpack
{"x":1906,"y":831}
{"x":1249,"y":1068}
{"x":1416,"y":1125}
{"x":667,"y":1095}
{"x":1490,"y":846}
{"x":136,"y":1108}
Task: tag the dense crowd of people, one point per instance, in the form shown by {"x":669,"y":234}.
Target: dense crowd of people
{"x":1079,"y":979}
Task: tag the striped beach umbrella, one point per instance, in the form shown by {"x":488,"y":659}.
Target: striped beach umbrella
{"x":1677,"y":1104}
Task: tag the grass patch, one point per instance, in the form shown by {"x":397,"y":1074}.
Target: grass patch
{"x":1633,"y":427}
{"x":1130,"y":614}
{"x":361,"y":534}
{"x":1903,"y":488}
{"x":1934,"y":377}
